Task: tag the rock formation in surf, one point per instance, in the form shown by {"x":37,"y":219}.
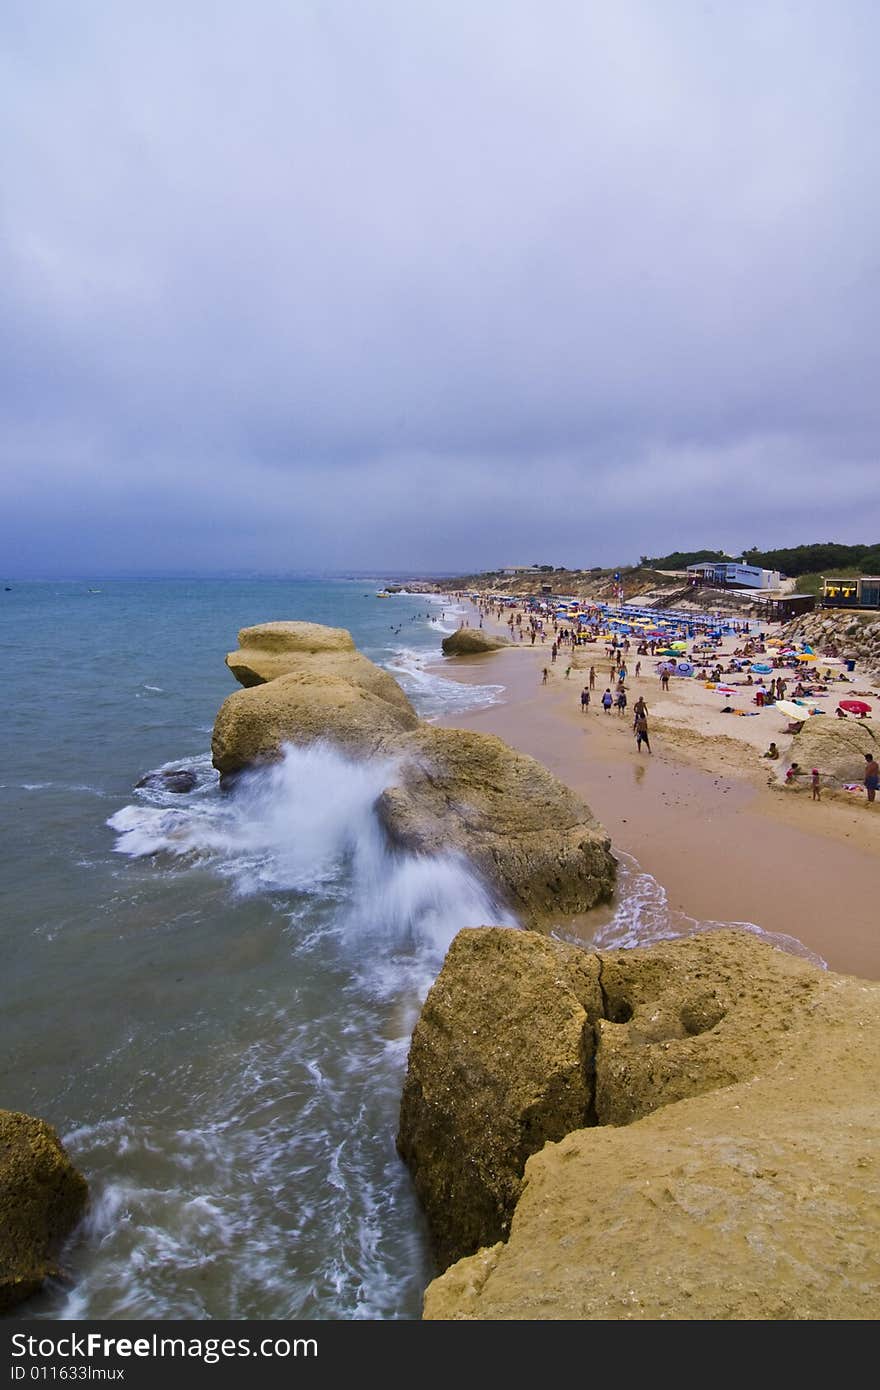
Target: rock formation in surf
{"x":531,"y":837}
{"x":42,"y":1196}
{"x":723,"y":1150}
{"x":536,"y":844}
{"x":470,"y":641}
{"x":253,"y":725}
{"x":305,"y":649}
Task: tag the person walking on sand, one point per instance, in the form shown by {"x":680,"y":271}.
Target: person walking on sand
{"x":621,"y":701}
{"x":641,"y":731}
{"x":639,"y":709}
{"x":664,"y":680}
{"x":638,"y":669}
{"x":872,"y":776}
{"x":567,"y":672}
{"x":607,"y":701}
{"x":592,"y":677}
{"x":814,"y":783}
{"x":544,"y":677}
{"x":585,"y":700}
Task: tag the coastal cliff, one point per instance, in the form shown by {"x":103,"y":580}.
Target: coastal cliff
{"x":536,"y":844}
{"x":713,"y":1132}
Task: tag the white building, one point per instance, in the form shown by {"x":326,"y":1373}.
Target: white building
{"x":734,"y":574}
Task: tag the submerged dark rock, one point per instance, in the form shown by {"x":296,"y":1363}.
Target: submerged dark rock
{"x":172,"y":779}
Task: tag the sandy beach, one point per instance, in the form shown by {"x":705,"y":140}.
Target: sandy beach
{"x":697,"y":813}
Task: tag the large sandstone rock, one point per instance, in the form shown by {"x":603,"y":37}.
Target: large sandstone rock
{"x":470,"y":641}
{"x":255,"y":664}
{"x":736,"y":1172}
{"x":253,"y":725}
{"x":837,"y":747}
{"x":534,"y":840}
{"x":308,"y":638}
{"x":490,"y":1080}
{"x":41,"y":1199}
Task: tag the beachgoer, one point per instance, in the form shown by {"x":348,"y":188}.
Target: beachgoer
{"x":621,"y":700}
{"x":872,"y":775}
{"x":772,"y":751}
{"x":607,"y":701}
{"x":592,"y":677}
{"x":585,"y":700}
{"x":544,"y":677}
{"x":814,"y":783}
{"x":641,"y":731}
{"x":664,"y":680}
{"x":793,"y":772}
{"x":638,"y":669}
{"x":567,"y":672}
{"x":640,"y":708}
{"x":841,"y":714}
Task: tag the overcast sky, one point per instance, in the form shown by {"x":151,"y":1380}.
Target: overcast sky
{"x":435,"y":284}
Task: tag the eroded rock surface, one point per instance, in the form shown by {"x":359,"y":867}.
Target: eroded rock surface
{"x":253,"y":725}
{"x":470,"y":641}
{"x":837,"y":747}
{"x":42,"y":1197}
{"x":490,"y":1080}
{"x":729,"y":1164}
{"x":532,"y":837}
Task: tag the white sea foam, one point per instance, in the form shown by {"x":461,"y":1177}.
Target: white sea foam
{"x":307,"y":825}
{"x":643,"y":916}
{"x":432,"y":694}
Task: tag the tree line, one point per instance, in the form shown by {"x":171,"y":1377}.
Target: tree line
{"x":823,"y":557}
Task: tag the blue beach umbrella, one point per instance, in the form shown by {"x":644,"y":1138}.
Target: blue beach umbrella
{"x":761,"y":667}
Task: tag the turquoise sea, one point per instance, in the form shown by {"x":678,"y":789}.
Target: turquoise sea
{"x":211,"y":996}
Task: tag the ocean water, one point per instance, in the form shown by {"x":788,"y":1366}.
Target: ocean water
{"x":211,"y":997}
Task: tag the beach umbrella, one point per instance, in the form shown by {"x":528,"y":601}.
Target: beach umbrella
{"x":855,"y":706}
{"x":684,"y":668}
{"x":724,"y":689}
{"x":793,"y":711}
{"x":806,"y":656}
{"x":759,"y":666}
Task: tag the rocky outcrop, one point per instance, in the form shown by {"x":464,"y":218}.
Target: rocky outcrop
{"x":728,"y":1165}
{"x":490,"y":1080}
{"x":296,"y":649}
{"x":533,"y":839}
{"x":253,"y":725}
{"x":536,"y":843}
{"x":42,"y":1197}
{"x":837,"y":747}
{"x":307,"y":638}
{"x":470,"y":641}
{"x":304,"y":682}
{"x":842,"y":632}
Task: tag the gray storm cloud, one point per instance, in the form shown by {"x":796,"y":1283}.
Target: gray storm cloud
{"x":437,"y":285}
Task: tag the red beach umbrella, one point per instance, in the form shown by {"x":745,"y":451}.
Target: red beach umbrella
{"x":855,"y":706}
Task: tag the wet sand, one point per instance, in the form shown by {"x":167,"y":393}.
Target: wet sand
{"x":696,"y":813}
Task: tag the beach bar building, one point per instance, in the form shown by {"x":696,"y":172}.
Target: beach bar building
{"x":733,"y":574}
{"x":851,"y":592}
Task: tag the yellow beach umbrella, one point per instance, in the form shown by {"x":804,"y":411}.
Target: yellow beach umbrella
{"x":806,"y":656}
